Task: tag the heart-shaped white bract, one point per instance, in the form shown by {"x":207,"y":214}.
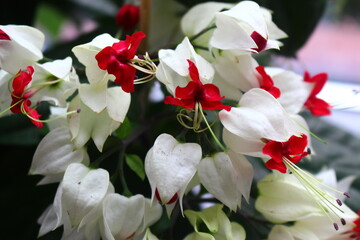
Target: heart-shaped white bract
{"x":80,"y":196}
{"x":227,"y":177}
{"x":22,"y":49}
{"x":170,"y":165}
{"x":124,"y":218}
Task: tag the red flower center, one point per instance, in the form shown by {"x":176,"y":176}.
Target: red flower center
{"x":207,"y":95}
{"x":116,"y":60}
{"x":267,"y":83}
{"x":356,"y":230}
{"x":172,"y":200}
{"x":293,"y":150}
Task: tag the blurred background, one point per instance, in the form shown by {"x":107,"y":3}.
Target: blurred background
{"x":324,"y":37}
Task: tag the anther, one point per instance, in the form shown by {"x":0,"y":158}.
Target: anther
{"x":78,"y":111}
{"x":347,"y":194}
{"x":336,"y":226}
{"x":309,"y":151}
{"x":339,"y":202}
{"x":343,"y":222}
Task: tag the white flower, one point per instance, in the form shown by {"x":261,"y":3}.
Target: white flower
{"x":5,"y":95}
{"x":227,"y":177}
{"x":21,"y":48}
{"x":173,"y":70}
{"x":170,"y":166}
{"x":56,"y":80}
{"x":246,"y":28}
{"x":125,"y":218}
{"x":89,"y":124}
{"x":54,"y":154}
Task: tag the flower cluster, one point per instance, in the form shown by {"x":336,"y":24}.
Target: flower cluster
{"x":234,"y":107}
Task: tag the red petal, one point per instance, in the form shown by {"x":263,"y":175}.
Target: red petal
{"x":318,"y":107}
{"x":105,"y":57}
{"x":125,"y":75}
{"x":296,"y":145}
{"x":274,"y":150}
{"x":214,"y":106}
{"x":4,"y":36}
{"x":189,"y":92}
{"x":133,"y":43}
{"x":211,"y":93}
{"x":267,"y":83}
{"x":189,"y":104}
{"x":272,"y":164}
{"x":193,"y":72}
{"x":259,"y":40}
{"x":21,"y":80}
{"x":33,"y":113}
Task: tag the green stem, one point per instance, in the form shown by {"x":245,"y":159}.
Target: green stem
{"x":202,"y":32}
{"x":126,"y":191}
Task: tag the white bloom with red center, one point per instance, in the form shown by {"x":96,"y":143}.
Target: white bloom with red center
{"x":55,"y":81}
{"x":54,"y":154}
{"x":127,"y":218}
{"x":20,"y":46}
{"x":86,"y":55}
{"x":227,"y":176}
{"x":173,"y":70}
{"x":169,"y":166}
{"x":260,"y":117}
{"x":246,"y":28}
{"x":89,"y":124}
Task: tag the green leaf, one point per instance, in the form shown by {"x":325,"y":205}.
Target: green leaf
{"x":136,"y":164}
{"x":124,"y":130}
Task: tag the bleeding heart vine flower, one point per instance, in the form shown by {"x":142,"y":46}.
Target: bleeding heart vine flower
{"x":317,"y":106}
{"x":260,"y":127}
{"x":118,"y":60}
{"x":170,"y":166}
{"x":20,"y":46}
{"x":246,"y":28}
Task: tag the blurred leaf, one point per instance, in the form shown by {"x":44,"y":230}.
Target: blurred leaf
{"x":124,"y":130}
{"x":50,"y":18}
{"x":136,"y":164}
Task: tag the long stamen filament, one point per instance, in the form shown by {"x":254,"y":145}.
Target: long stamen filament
{"x":311,"y":133}
{"x":7,"y":109}
{"x":211,"y":131}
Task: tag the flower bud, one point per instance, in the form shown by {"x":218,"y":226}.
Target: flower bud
{"x":128,"y":17}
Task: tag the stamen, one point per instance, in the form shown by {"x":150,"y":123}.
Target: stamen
{"x":48,"y":120}
{"x":320,"y":197}
{"x":7,"y":109}
{"x":343,"y":222}
{"x":346,"y":194}
{"x":336,"y":226}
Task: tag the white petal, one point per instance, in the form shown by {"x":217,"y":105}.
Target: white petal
{"x":217,"y":176}
{"x":94,"y":95}
{"x":47,"y":220}
{"x":118,"y":103}
{"x":55,"y":153}
{"x":122,"y":216}
{"x":22,"y":50}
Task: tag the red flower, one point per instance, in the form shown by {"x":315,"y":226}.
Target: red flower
{"x":128,"y":16}
{"x":259,"y":40}
{"x":267,"y":83}
{"x":116,"y":59}
{"x":293,"y":150}
{"x":317,"y":106}
{"x":207,"y":95}
{"x":20,"y":98}
{"x":4,"y":36}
